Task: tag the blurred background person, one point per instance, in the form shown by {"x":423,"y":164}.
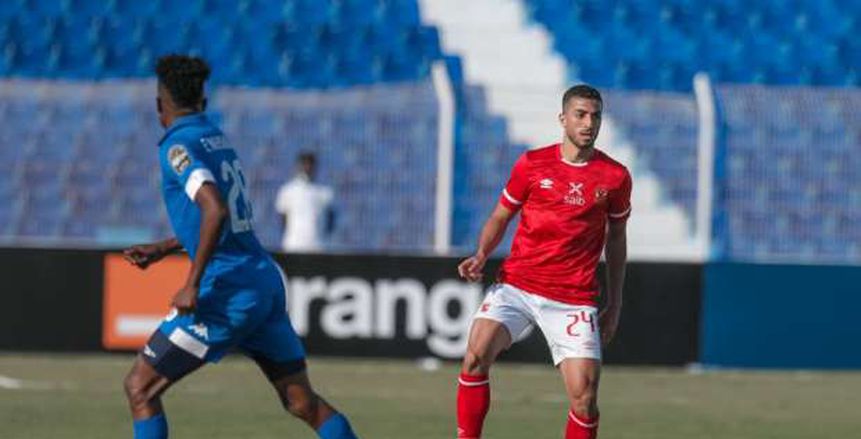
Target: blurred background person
{"x":306,"y":208}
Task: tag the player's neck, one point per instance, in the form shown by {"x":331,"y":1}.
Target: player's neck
{"x":171,"y":117}
{"x":573,"y":154}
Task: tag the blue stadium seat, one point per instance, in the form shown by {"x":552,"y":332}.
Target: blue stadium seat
{"x":734,"y":40}
{"x":139,"y":9}
{"x":48,"y":8}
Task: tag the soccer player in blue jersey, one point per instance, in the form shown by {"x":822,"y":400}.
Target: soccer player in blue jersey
{"x":234,"y":295}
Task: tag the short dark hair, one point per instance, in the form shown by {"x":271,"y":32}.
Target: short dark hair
{"x":581,"y":91}
{"x":183,"y":77}
{"x":307,"y":156}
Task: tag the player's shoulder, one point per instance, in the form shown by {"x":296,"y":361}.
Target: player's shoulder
{"x":189,"y":132}
{"x":611,"y":165}
{"x":543,"y":153}
{"x":537,"y":157}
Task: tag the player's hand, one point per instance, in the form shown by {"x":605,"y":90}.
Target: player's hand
{"x":185,"y":300}
{"x":608,"y":320}
{"x":143,"y":255}
{"x":471,"y":268}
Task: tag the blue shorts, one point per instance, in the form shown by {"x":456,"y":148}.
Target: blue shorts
{"x":229,"y":315}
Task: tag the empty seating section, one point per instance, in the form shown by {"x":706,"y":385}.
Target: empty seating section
{"x":483,"y":161}
{"x":81,"y":165}
{"x":292,"y":43}
{"x":792,"y":185}
{"x":663,"y":128}
{"x":376,"y":147}
{"x":660,"y":44}
{"x":349,"y":80}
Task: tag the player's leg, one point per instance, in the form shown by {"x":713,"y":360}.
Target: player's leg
{"x":290,"y":380}
{"x":575,"y":344}
{"x":497,"y":323}
{"x":581,"y":377}
{"x":163,"y":361}
{"x":144,"y":386}
{"x":279,"y":353}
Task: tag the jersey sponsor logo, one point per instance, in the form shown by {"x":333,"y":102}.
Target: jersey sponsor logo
{"x":575,"y":194}
{"x":178,"y":158}
{"x":546,"y":183}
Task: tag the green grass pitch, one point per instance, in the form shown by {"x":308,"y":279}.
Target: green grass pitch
{"x":80,"y":396}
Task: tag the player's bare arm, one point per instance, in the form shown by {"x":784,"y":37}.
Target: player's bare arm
{"x":213,"y":214}
{"x":491,"y":234}
{"x":144,"y":255}
{"x":616,"y":255}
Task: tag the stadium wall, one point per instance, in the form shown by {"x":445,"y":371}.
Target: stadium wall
{"x":348,"y":305}
{"x":781,"y":316}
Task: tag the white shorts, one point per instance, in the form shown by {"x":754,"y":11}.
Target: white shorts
{"x":571,"y":331}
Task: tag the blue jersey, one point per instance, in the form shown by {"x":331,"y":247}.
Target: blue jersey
{"x":192,"y":152}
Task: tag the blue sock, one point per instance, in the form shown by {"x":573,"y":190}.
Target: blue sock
{"x":336,"y":427}
{"x":151,"y":428}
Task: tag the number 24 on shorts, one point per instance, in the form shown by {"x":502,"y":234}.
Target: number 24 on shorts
{"x":579,"y":317}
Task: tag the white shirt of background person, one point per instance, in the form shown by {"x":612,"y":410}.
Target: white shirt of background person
{"x":305,"y":206}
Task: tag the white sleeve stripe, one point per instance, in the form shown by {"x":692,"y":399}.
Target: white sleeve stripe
{"x":196,"y":180}
{"x":510,"y":198}
{"x":472,"y":384}
{"x":621,"y":214}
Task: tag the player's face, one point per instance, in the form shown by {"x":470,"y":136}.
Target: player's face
{"x":582,"y":121}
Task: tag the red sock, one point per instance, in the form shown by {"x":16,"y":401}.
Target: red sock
{"x":581,"y":428}
{"x":473,"y":402}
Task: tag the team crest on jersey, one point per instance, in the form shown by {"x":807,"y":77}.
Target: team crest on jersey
{"x":575,"y":194}
{"x":546,"y":183}
{"x":178,"y":158}
{"x":601,"y":194}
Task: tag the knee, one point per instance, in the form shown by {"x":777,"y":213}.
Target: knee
{"x":136,"y":390}
{"x":304,"y":408}
{"x":477,"y":361}
{"x":584,"y":403}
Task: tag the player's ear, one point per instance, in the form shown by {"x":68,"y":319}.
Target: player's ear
{"x":562,"y":119}
{"x":158,"y":106}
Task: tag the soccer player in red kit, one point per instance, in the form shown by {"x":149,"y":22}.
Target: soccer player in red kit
{"x":574,"y":202}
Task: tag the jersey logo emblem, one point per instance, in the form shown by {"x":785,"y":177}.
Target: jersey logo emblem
{"x":601,"y":194}
{"x":201,"y":330}
{"x":546,"y":183}
{"x":575,"y":194}
{"x":178,"y":158}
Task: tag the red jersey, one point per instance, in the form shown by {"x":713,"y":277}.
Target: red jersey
{"x":565,"y":210}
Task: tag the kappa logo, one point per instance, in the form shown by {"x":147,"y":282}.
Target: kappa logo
{"x":178,"y":158}
{"x":575,"y":194}
{"x":201,"y":330}
{"x":148,"y":352}
{"x":546,"y":183}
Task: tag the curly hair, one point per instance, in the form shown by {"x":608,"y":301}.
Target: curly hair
{"x":581,"y":91}
{"x":183,"y":77}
